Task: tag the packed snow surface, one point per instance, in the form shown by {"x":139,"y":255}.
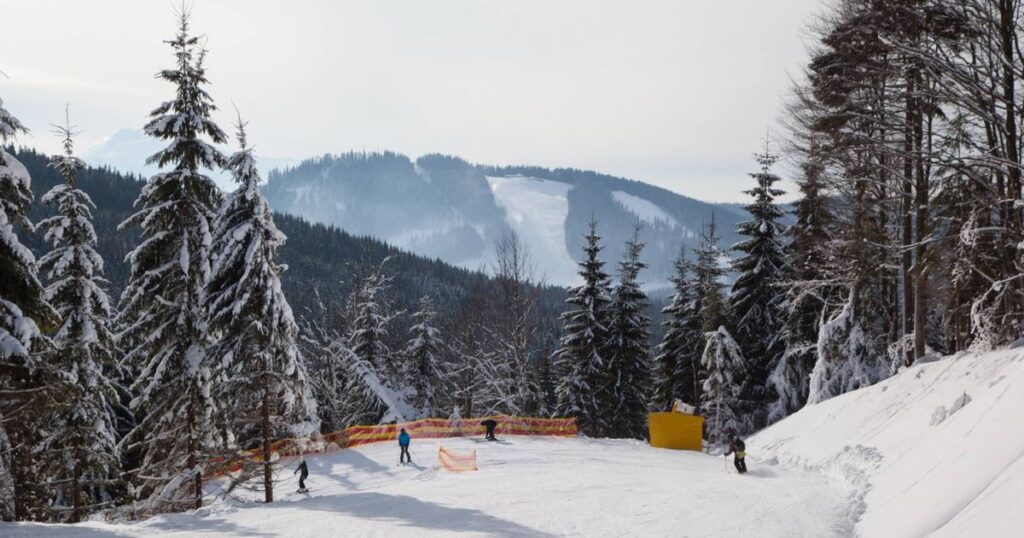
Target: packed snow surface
{"x":525,"y":486}
{"x":643,"y":208}
{"x":936,"y":450}
{"x":536,"y":209}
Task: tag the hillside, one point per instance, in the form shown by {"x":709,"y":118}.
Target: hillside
{"x":445,"y":207}
{"x":323,"y":261}
{"x":936,"y":450}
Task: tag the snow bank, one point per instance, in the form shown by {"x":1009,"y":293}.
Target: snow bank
{"x":536,"y":209}
{"x":937,"y":449}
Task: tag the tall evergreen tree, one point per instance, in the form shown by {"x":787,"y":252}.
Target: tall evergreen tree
{"x":582,"y":359}
{"x":756,"y":295}
{"x":628,"y":374}
{"x":423,"y":361}
{"x":165,"y":327}
{"x":79,"y":447}
{"x":23,"y":311}
{"x":806,"y":287}
{"x":677,"y":370}
{"x":267,"y":385}
{"x":708,"y":274}
{"x":721,"y":403}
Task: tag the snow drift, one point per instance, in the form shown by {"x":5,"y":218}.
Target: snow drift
{"x":937,"y":449}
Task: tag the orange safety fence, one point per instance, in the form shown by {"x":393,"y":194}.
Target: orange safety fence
{"x":428,"y":428}
{"x":456,"y":462}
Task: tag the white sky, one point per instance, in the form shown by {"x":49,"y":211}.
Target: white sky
{"x":677,"y":93}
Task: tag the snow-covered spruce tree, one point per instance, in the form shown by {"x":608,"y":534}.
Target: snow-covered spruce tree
{"x":79,"y":452}
{"x":677,"y":365}
{"x":721,"y":404}
{"x":582,"y":359}
{"x":423,"y":361}
{"x":628,"y":373}
{"x":164,"y":334}
{"x":807,"y":285}
{"x":23,"y":310}
{"x":545,"y":380}
{"x":708,"y":274}
{"x":756,"y":295}
{"x":369,"y":369}
{"x":267,"y":395}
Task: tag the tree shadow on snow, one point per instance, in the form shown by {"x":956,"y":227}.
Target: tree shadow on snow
{"x":50,"y":530}
{"x":412,"y":512}
{"x":321,"y":469}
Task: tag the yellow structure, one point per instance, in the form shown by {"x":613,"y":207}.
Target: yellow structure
{"x":676,"y":430}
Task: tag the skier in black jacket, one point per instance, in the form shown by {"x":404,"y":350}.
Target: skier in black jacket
{"x":490,"y":424}
{"x":303,"y":473}
{"x":738,"y":448}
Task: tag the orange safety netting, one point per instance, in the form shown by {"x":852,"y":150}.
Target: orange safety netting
{"x":456,"y":462}
{"x":428,"y":428}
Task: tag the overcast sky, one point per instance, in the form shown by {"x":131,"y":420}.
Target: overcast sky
{"x":677,"y":93}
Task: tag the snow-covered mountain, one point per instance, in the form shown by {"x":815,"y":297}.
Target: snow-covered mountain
{"x":127,"y":150}
{"x":447,"y":208}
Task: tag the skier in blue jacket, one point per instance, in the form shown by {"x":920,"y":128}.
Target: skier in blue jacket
{"x":403,"y":443}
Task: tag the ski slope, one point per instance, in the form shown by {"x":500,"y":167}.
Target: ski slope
{"x":536,"y":209}
{"x":525,"y":486}
{"x":937,"y":450}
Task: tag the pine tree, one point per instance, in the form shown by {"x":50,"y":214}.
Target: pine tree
{"x":267,"y":387}
{"x":582,"y":358}
{"x":79,"y":446}
{"x":708,"y":274}
{"x":165,"y":334}
{"x":724,"y":374}
{"x":23,"y":312}
{"x":677,"y":374}
{"x":423,"y":361}
{"x":369,"y":371}
{"x":756,"y":295}
{"x":628,"y":374}
{"x":807,"y":285}
{"x":546,"y":382}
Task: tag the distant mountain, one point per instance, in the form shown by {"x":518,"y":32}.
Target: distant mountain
{"x":444,"y":207}
{"x":127,"y":150}
{"x":324,"y":263}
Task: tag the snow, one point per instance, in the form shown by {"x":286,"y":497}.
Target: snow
{"x":525,"y":486}
{"x":937,"y":449}
{"x":537,"y":209}
{"x":643,"y":209}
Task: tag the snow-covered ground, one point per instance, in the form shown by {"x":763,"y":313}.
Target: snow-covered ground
{"x":536,"y":209}
{"x":936,"y":450}
{"x":524,"y":487}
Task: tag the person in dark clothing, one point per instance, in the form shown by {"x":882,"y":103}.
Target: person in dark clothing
{"x":303,"y":474}
{"x":738,"y":448}
{"x":490,"y":424}
{"x":403,"y":444}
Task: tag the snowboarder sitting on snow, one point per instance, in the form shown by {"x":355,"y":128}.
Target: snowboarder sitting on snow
{"x":403,"y":443}
{"x":740,"y":449}
{"x":304,"y":472}
{"x":490,"y":424}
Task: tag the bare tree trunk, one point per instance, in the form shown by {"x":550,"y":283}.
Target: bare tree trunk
{"x":268,"y":476}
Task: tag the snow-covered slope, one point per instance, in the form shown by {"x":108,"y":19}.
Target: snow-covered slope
{"x":524,"y":487}
{"x":936,"y":450}
{"x":645,"y":210}
{"x":536,"y":209}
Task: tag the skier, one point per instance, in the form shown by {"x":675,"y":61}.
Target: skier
{"x":738,"y":448}
{"x":490,"y":424}
{"x":403,"y":443}
{"x":303,"y":473}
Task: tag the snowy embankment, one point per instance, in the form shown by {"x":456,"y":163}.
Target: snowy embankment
{"x":526,"y":486}
{"x":937,"y":449}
